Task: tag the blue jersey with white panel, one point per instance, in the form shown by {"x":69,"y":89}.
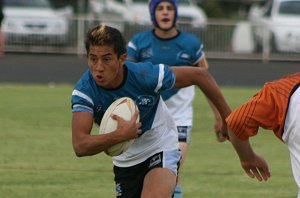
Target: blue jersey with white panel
{"x":183,"y":49}
{"x":143,"y":83}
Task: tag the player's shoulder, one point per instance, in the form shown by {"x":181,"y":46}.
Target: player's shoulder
{"x":86,"y":82}
{"x":189,"y":37}
{"x":140,"y":66}
{"x":146,"y":68}
{"x":188,"y":34}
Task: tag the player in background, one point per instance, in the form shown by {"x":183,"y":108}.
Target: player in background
{"x":166,"y":44}
{"x":149,"y":167}
{"x":275,"y":107}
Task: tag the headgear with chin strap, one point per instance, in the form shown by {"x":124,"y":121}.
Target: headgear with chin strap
{"x":152,"y":7}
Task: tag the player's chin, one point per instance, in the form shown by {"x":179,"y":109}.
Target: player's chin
{"x":166,"y":26}
{"x":99,"y":83}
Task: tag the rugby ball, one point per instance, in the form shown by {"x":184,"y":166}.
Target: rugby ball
{"x":125,"y":108}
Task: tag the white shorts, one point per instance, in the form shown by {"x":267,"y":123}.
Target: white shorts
{"x":291,"y":136}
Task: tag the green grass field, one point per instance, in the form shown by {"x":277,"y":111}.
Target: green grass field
{"x":37,"y":160}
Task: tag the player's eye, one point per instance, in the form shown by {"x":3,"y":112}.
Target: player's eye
{"x":170,"y":8}
{"x":107,"y":59}
{"x":93,"y":60}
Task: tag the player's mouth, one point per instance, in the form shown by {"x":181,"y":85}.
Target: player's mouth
{"x":165,"y":20}
{"x":99,"y":78}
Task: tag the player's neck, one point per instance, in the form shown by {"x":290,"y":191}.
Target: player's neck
{"x":166,"y":34}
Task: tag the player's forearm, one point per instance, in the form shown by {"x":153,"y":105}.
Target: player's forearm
{"x":242,"y":147}
{"x":214,"y":95}
{"x":186,"y":76}
{"x":93,"y":144}
{"x":214,"y":109}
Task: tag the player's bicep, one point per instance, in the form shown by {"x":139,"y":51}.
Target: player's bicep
{"x":82,"y":123}
{"x":186,"y":76}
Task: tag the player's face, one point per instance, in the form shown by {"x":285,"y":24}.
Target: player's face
{"x":105,"y":66}
{"x":164,"y":15}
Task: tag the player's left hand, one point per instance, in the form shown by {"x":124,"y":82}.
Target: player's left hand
{"x":257,"y":168}
{"x":221,"y":137}
{"x":221,"y":130}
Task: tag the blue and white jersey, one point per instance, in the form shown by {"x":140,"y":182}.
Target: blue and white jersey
{"x":143,"y":83}
{"x":184,"y":49}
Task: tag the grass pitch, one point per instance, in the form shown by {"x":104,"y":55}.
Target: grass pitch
{"x":37,"y":160}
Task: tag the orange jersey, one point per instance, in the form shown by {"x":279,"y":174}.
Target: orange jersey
{"x":267,"y":109}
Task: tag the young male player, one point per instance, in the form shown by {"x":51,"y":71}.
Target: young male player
{"x":166,"y":44}
{"x":149,"y":167}
{"x":275,"y":107}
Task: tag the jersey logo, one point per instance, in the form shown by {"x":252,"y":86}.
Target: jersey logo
{"x":184,"y":56}
{"x":145,"y":101}
{"x":98,"y":108}
{"x":155,"y":160}
{"x":146,"y":53}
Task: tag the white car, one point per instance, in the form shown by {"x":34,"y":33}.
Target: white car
{"x":33,"y":22}
{"x":276,"y":25}
{"x":137,"y":12}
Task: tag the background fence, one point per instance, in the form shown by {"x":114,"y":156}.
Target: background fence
{"x":222,"y":39}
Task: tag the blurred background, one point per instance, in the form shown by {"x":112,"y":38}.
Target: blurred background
{"x":234,"y":29}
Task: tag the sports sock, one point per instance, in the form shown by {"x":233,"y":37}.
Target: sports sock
{"x":177,"y":192}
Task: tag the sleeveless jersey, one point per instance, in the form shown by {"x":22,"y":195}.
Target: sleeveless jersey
{"x":143,"y":83}
{"x":184,"y":49}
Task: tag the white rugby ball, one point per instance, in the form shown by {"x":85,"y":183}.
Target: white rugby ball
{"x":125,"y":108}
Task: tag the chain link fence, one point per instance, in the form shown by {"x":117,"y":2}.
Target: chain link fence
{"x":222,"y":40}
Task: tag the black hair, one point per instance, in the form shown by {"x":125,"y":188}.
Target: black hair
{"x":106,"y":35}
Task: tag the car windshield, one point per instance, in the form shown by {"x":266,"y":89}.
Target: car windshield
{"x":27,"y":3}
{"x":146,"y":1}
{"x":290,"y":7}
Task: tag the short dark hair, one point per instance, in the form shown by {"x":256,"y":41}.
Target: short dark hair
{"x":105,"y":35}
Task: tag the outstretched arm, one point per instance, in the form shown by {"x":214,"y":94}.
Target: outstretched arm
{"x":218,"y":123}
{"x":218,"y":119}
{"x":186,"y":76}
{"x":254,"y":165}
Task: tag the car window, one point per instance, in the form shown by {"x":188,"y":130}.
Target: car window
{"x":268,"y":9}
{"x":27,"y":3}
{"x":290,"y":7}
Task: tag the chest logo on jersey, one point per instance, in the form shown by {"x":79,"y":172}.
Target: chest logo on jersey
{"x":98,"y":108}
{"x":146,"y":53}
{"x":145,"y":100}
{"x":184,"y":56}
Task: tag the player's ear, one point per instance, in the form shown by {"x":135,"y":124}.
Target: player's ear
{"x":123,"y":57}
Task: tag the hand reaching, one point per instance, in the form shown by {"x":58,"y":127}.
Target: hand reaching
{"x":256,"y":167}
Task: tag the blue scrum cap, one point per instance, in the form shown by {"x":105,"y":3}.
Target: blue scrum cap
{"x":152,"y":6}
